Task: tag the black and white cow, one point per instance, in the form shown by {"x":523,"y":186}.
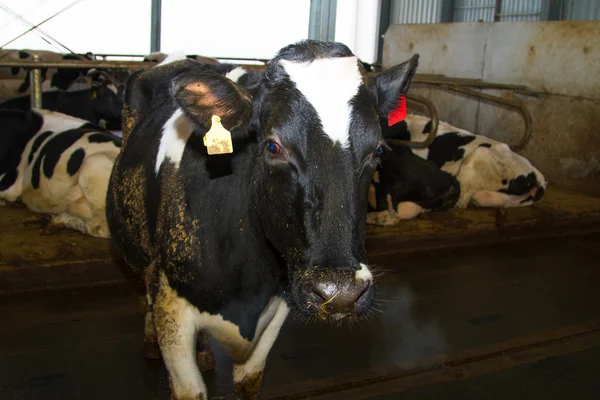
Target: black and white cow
{"x":52,"y":78}
{"x":489,"y":172}
{"x":405,"y":185}
{"x":102,"y":105}
{"x":230,"y":243}
{"x":59,"y":165}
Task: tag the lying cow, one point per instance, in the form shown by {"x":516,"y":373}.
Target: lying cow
{"x":52,"y":78}
{"x":489,"y":173}
{"x":405,"y":185}
{"x":101,"y":105}
{"x":229,"y":243}
{"x":59,"y":165}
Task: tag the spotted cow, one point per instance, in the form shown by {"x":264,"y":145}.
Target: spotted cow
{"x":405,"y":185}
{"x":229,"y":244}
{"x":52,"y":78}
{"x":102,"y":104}
{"x":489,"y":172}
{"x":57,"y":165}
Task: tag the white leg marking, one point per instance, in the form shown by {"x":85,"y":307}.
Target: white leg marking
{"x":256,"y":362}
{"x":328,"y":84}
{"x":176,"y":132}
{"x":176,"y":322}
{"x":67,"y":221}
{"x":235,"y":74}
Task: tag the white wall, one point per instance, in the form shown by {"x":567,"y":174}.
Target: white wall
{"x":233,"y":28}
{"x":100,"y":26}
{"x":357,"y":26}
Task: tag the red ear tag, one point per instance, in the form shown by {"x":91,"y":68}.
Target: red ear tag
{"x":399,"y":113}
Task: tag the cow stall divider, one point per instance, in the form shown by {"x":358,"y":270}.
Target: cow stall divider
{"x":37,"y":64}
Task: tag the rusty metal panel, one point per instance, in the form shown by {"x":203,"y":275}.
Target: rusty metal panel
{"x":416,"y":11}
{"x":559,"y":57}
{"x":451,"y":49}
{"x":520,"y":10}
{"x":474,"y":10}
{"x":582,"y":10}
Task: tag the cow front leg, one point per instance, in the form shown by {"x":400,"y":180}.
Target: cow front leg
{"x":176,"y":323}
{"x":64,"y":220}
{"x":247,"y":376}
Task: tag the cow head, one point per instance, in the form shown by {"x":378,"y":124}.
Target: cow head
{"x":496,"y":176}
{"x":311,"y":128}
{"x":316,"y":117}
{"x":106,"y":99}
{"x":413,"y":184}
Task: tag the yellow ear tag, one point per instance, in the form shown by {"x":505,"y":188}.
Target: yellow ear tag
{"x":218,"y":139}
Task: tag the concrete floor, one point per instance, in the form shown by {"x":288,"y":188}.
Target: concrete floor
{"x":30,"y":259}
{"x":502,"y":321}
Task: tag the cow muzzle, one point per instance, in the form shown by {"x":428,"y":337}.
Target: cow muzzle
{"x":335,"y":295}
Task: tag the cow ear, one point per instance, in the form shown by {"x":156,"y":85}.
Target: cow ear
{"x":394,"y":83}
{"x":201,"y":96}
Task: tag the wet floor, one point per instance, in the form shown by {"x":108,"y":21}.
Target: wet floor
{"x":506,"y":321}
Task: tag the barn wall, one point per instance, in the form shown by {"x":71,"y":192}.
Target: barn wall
{"x":560,"y":59}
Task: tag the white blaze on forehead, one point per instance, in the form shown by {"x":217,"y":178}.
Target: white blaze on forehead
{"x":176,"y":132}
{"x":328,"y":84}
{"x":364,"y":274}
{"x":235,"y":74}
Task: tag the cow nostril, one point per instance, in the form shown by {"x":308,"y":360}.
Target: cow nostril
{"x":338,"y":299}
{"x":319,"y":295}
{"x":362,"y":292}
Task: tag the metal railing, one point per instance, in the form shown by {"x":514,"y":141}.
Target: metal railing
{"x":36,"y":64}
{"x":464,"y":86}
{"x":459,"y":85}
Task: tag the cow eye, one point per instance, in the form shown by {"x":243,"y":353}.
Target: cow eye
{"x":274,"y":148}
{"x":378,"y":152}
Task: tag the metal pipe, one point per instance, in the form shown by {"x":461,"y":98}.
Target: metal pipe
{"x":434,"y":124}
{"x":155,"y":27}
{"x":431,"y":79}
{"x":78,"y":64}
{"x":35,"y":79}
{"x":477,"y":83}
{"x":94,"y":64}
{"x":518,"y":106}
{"x":263,"y":60}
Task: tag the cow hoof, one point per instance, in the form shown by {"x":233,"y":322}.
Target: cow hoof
{"x":205,"y":360}
{"x":36,"y":219}
{"x":249,"y":387}
{"x":152,"y":351}
{"x":51,"y":228}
